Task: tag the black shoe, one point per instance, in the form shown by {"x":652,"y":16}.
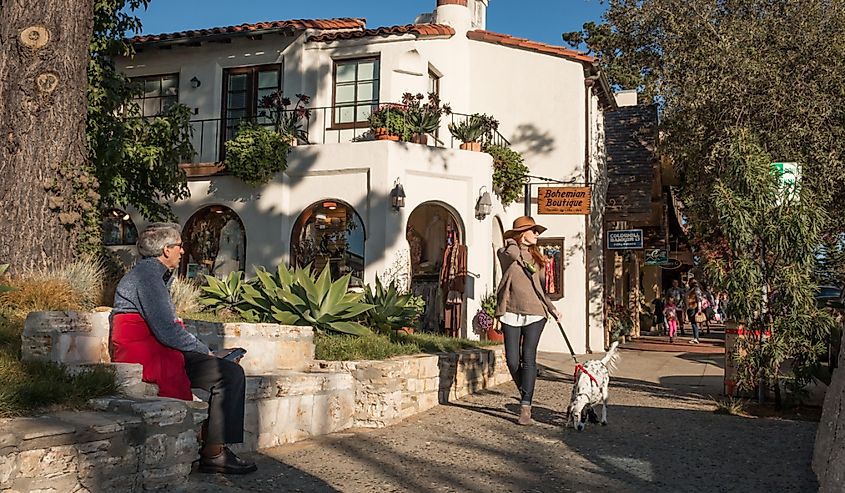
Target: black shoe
{"x":226,"y":463}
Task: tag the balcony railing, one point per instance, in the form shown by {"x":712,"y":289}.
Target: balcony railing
{"x":210,"y":134}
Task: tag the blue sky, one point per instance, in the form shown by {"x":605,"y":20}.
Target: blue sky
{"x":539,"y":20}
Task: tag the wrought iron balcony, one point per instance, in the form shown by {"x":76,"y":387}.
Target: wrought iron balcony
{"x":209,"y":135}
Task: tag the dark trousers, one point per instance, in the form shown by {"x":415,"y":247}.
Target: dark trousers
{"x":226,"y":383}
{"x":521,"y":355}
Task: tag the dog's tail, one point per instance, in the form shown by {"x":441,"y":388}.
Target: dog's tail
{"x":611,"y":358}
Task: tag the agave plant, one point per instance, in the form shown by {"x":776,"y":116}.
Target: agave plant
{"x":226,"y":294}
{"x":391,"y":310}
{"x":468,"y":130}
{"x":296,"y":298}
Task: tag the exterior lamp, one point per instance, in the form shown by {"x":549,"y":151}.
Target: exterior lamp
{"x":484,"y":205}
{"x":397,"y":196}
{"x":195,"y":82}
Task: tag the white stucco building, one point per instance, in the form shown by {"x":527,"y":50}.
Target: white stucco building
{"x":333,"y":202}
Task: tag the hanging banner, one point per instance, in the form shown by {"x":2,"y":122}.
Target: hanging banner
{"x":564,"y":200}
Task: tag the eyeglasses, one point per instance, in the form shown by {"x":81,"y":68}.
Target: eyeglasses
{"x":175,"y":245}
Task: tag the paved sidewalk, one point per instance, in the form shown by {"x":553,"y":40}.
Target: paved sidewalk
{"x":662,"y":436}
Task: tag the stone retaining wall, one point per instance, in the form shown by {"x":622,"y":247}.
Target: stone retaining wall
{"x":130,"y":445}
{"x":389,"y":391}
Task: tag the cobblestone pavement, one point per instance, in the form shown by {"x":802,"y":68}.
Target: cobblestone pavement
{"x":662,"y":436}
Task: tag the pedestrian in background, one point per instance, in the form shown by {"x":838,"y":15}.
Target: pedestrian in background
{"x":671,"y":314}
{"x":677,"y":292}
{"x":522,"y":306}
{"x":659,"y":316}
{"x":693,"y":308}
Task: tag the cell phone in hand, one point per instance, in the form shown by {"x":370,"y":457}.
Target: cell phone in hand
{"x":235,"y":354}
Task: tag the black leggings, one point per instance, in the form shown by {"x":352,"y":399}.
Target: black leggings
{"x":521,"y":354}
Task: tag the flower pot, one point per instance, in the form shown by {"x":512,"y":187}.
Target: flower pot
{"x":471,"y":146}
{"x":494,"y":336}
{"x":419,"y":139}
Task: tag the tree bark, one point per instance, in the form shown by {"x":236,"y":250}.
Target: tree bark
{"x":43,"y":104}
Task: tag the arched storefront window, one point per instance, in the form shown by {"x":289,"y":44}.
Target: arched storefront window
{"x":330,"y":232}
{"x":118,"y":228}
{"x":214,"y":240}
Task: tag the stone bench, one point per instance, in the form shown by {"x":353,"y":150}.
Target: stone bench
{"x":128,"y":445}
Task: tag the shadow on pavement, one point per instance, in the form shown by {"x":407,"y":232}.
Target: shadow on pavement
{"x":272,"y":475}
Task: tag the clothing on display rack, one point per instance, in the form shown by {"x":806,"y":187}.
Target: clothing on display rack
{"x":552,"y":255}
{"x":453,"y":283}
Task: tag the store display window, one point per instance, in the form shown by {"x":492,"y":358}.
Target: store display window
{"x":552,"y":250}
{"x":330,"y":232}
{"x":214,"y":240}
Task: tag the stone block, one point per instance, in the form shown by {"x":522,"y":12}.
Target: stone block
{"x":165,"y":478}
{"x":66,"y":337}
{"x":332,"y":412}
{"x":8,"y":469}
{"x":47,"y":463}
{"x":161,"y":412}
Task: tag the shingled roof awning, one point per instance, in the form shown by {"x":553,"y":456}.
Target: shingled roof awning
{"x":631,"y":140}
{"x":293,"y":25}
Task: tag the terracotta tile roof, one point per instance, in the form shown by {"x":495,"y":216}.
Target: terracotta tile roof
{"x":245,"y":29}
{"x":418,"y":30}
{"x":527,"y":44}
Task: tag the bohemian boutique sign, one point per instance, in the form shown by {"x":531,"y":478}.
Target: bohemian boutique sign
{"x":564,"y":200}
{"x":625,"y":239}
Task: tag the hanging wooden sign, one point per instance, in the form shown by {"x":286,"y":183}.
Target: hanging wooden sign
{"x":564,"y":200}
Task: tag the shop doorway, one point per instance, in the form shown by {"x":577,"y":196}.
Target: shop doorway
{"x":214,"y":240}
{"x":438,"y":266}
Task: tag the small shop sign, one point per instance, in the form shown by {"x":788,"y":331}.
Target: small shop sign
{"x":656,"y":256}
{"x":625,"y":239}
{"x":564,"y":200}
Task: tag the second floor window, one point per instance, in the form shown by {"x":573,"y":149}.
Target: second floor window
{"x":159,"y":92}
{"x":356,"y":87}
{"x":243,"y":89}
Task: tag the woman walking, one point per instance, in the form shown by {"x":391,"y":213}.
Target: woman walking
{"x":693,"y":309}
{"x":522,"y":306}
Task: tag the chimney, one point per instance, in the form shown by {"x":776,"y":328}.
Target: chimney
{"x":454,"y":13}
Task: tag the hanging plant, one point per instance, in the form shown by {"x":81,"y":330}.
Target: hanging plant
{"x":509,"y":173}
{"x":256,"y":153}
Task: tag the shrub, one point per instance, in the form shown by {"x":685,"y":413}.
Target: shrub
{"x":4,"y":287}
{"x":392,"y":118}
{"x":424,"y":118}
{"x":256,"y":154}
{"x":40,"y":294}
{"x":186,"y":295}
{"x":85,"y":276}
{"x":509,"y":173}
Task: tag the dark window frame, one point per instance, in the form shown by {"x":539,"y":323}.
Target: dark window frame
{"x":377,"y":77}
{"x":141,"y":98}
{"x":252,"y":93}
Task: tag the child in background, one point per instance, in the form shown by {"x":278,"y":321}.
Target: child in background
{"x":671,"y":312}
{"x":659,"y":318}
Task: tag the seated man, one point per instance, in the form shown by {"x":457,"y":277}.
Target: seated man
{"x":145,"y":330}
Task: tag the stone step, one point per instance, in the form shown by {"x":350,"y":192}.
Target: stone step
{"x":128,"y":377}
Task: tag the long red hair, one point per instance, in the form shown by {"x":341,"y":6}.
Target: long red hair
{"x":534,"y":250}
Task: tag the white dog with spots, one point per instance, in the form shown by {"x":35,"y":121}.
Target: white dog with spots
{"x":590,"y":388}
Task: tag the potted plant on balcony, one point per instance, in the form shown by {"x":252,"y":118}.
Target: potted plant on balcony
{"x":423,"y":118}
{"x":286,"y":120}
{"x":388,"y":122}
{"x":469,"y":131}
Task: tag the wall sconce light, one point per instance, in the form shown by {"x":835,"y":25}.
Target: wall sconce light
{"x":195,"y":82}
{"x":397,"y":196}
{"x":484,"y":205}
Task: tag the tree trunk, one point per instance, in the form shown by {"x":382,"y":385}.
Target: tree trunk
{"x":43,"y":84}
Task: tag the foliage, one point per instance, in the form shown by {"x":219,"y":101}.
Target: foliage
{"x":4,"y":287}
{"x":509,"y":173}
{"x":85,"y":276}
{"x":716,"y":67}
{"x":256,"y":154}
{"x":470,"y":129}
{"x":392,"y":119}
{"x":730,"y":406}
{"x":390,"y":309}
{"x":482,"y":322}
{"x":226,"y":295}
{"x":424,"y":118}
{"x":186,"y":295}
{"x":135,"y":160}
{"x":488,"y":304}
{"x":830,"y":261}
{"x":39,"y":294}
{"x":764,"y":259}
{"x":619,"y":319}
{"x":288,"y":122}
{"x":342,"y":347}
{"x":296,"y":298}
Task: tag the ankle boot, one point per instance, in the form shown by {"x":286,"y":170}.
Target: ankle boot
{"x":525,"y":415}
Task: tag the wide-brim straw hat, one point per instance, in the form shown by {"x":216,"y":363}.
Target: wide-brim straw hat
{"x":524,"y":223}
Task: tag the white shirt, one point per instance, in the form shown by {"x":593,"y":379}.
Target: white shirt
{"x":518,"y":319}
